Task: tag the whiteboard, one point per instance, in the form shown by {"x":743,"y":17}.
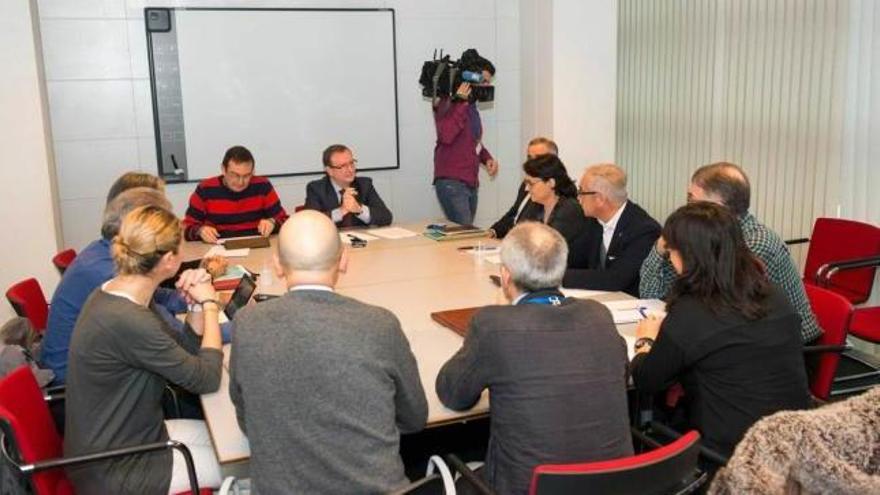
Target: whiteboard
{"x":285,"y":84}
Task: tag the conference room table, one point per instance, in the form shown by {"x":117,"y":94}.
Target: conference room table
{"x":412,"y":277}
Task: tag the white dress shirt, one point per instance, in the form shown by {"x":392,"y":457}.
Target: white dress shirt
{"x":336,"y":215}
{"x":610,"y":226}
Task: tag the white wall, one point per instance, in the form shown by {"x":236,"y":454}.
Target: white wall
{"x":99,"y":101}
{"x":28,"y":216}
{"x":584,"y":81}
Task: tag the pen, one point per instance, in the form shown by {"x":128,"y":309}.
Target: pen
{"x":642,"y":311}
{"x":355,"y":238}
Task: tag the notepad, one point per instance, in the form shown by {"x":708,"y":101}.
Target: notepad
{"x":229,"y":253}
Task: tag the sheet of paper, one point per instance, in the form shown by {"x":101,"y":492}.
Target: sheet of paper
{"x":630,"y":311}
{"x":495,"y":258}
{"x":581,"y":293}
{"x":229,"y":253}
{"x":221,"y":241}
{"x":344,"y":236}
{"x":393,"y":233}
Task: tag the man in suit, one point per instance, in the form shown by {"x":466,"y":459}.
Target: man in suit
{"x":323,"y":385}
{"x":348,"y":200}
{"x":538,"y":146}
{"x":618,"y":236}
{"x":565,"y":402}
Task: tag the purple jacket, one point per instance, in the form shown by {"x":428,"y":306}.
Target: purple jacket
{"x":455,"y":154}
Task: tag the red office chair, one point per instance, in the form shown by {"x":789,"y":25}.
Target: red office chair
{"x":668,"y":469}
{"x":31,"y":444}
{"x":834,"y":313}
{"x":27,"y":299}
{"x":63,"y":259}
{"x":836,"y":242}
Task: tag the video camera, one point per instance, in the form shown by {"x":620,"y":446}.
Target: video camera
{"x":441,"y":76}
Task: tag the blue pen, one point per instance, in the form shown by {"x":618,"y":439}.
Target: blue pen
{"x":642,"y":311}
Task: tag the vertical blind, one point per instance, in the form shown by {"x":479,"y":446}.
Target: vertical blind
{"x":760,"y":83}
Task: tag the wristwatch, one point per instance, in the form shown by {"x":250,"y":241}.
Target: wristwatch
{"x":643,"y":342}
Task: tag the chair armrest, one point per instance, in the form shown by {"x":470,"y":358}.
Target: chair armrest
{"x":109,"y":454}
{"x":828,"y":270}
{"x":706,"y":452}
{"x":802,"y":240}
{"x":814,"y":349}
{"x":466,"y":473}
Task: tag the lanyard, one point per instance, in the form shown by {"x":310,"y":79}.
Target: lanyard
{"x":549,"y":297}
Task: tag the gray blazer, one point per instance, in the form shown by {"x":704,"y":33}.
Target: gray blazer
{"x":557,"y":384}
{"x":324,"y":385}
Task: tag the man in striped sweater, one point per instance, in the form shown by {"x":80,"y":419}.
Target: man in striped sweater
{"x":236,"y":203}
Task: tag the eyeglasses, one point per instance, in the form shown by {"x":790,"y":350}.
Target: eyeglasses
{"x":586,"y":193}
{"x":352,"y":165}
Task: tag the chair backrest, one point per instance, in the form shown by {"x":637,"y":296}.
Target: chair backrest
{"x":836,"y":239}
{"x":63,"y":259}
{"x":668,"y":469}
{"x":833,"y":312}
{"x":28,"y":300}
{"x":25,"y":416}
{"x":299,"y":208}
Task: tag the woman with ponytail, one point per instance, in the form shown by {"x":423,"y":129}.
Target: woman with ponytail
{"x":730,"y":337}
{"x":123,"y":353}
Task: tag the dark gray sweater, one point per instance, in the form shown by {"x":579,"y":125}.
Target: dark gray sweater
{"x":120,"y":357}
{"x":323,"y":385}
{"x":557,"y":387}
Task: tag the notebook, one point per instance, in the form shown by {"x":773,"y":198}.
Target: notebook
{"x":457,"y":320}
{"x":246,"y":242}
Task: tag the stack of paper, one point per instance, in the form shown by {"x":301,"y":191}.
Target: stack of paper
{"x":220,"y":250}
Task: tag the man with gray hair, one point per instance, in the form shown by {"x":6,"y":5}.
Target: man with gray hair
{"x":727,"y":184}
{"x":618,"y":236}
{"x":555,"y":368}
{"x":323,"y":385}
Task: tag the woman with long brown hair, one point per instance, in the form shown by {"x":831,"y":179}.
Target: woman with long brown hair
{"x":730,"y":337}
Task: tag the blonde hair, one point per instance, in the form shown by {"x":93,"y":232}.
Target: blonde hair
{"x":130,"y":180}
{"x":146,"y":234}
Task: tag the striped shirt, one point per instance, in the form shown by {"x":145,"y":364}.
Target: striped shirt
{"x":657,"y":274}
{"x":232,"y":213}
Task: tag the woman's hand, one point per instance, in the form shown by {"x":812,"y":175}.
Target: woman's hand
{"x":649,"y":327}
{"x":195,"y":285}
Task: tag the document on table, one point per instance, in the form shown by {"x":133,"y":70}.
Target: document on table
{"x":229,"y":253}
{"x":346,"y":236}
{"x":630,"y":311}
{"x":393,"y":233}
{"x":581,"y":293}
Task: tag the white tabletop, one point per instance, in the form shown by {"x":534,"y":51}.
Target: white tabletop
{"x":411,"y":277}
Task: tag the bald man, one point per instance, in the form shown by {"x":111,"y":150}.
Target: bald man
{"x":323,"y":385}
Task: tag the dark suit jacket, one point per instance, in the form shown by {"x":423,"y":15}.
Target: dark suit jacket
{"x":567,"y":217}
{"x":633,"y":238}
{"x":321,"y":196}
{"x":557,"y":386}
{"x":505,"y":223}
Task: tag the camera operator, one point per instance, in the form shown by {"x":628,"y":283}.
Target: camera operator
{"x":459,"y":152}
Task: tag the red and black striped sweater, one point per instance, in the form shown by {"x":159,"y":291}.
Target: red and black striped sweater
{"x":232,"y":213}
